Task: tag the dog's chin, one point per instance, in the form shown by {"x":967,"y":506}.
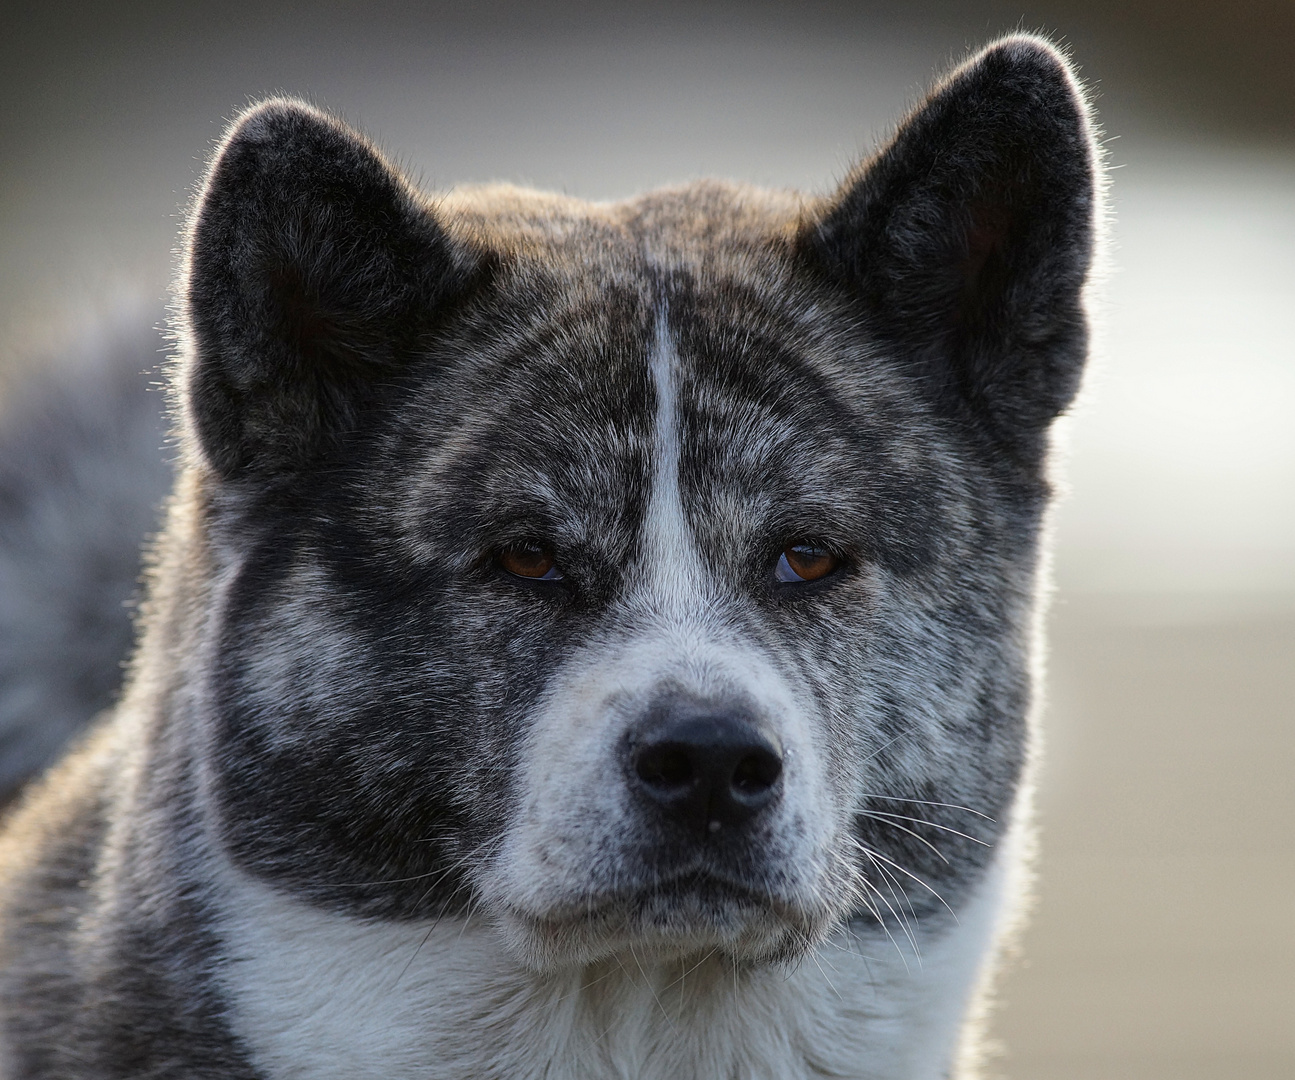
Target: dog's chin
{"x":673,"y":921}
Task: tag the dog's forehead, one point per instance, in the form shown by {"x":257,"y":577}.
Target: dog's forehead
{"x":550,"y":404}
{"x":539,"y":409}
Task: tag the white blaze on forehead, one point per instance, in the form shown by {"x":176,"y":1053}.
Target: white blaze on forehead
{"x":673,"y":572}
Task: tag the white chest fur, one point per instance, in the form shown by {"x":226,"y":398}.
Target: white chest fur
{"x":328,"y":997}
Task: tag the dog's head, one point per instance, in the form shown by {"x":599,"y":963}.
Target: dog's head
{"x":649,"y":575}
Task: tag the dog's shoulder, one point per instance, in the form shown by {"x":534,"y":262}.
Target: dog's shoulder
{"x":51,"y":846}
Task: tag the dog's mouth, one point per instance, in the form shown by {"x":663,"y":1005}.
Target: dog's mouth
{"x":685,"y":914}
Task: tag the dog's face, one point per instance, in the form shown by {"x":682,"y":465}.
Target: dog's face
{"x":652,"y":576}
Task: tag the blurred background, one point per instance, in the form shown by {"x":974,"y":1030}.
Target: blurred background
{"x":1162,"y":946}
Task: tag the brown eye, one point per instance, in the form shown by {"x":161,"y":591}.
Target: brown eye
{"x":530,"y":560}
{"x":804,"y":562}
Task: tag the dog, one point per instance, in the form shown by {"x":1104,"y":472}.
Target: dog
{"x":585,"y":640}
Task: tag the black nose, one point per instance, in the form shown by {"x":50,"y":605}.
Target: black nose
{"x":707,"y":770}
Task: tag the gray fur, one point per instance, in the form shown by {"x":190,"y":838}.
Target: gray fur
{"x":349,"y":720}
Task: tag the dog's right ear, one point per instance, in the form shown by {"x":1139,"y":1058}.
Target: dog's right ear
{"x":312,"y":272}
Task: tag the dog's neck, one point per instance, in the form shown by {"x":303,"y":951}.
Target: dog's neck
{"x":329,"y":996}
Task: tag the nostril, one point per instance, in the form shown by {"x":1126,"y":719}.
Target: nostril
{"x":706,"y":769}
{"x":666,"y":766}
{"x":756,"y":773}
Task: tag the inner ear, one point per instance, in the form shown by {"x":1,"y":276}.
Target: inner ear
{"x":311,"y":334}
{"x":984,"y":269}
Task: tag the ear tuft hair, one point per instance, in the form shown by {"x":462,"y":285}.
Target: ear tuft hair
{"x":968,"y":240}
{"x":312,"y":271}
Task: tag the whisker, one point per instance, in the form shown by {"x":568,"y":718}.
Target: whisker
{"x":897,"y":891}
{"x":863,"y":881}
{"x":923,"y":821}
{"x":927,"y":802}
{"x":462,"y":860}
{"x":886,"y":745}
{"x":903,"y":924}
{"x":916,"y":836}
{"x":419,"y":948}
{"x":908,"y":873}
{"x":652,"y":990}
{"x":440,"y":870}
{"x":382,"y":881}
{"x":830,"y":985}
{"x":683,"y":975}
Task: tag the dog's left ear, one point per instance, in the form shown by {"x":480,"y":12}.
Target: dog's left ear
{"x":968,"y":240}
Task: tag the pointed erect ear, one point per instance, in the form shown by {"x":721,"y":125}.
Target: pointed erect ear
{"x":312,"y":272}
{"x":968,"y":240}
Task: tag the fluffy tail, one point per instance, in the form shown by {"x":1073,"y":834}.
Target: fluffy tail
{"x":83,"y":474}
